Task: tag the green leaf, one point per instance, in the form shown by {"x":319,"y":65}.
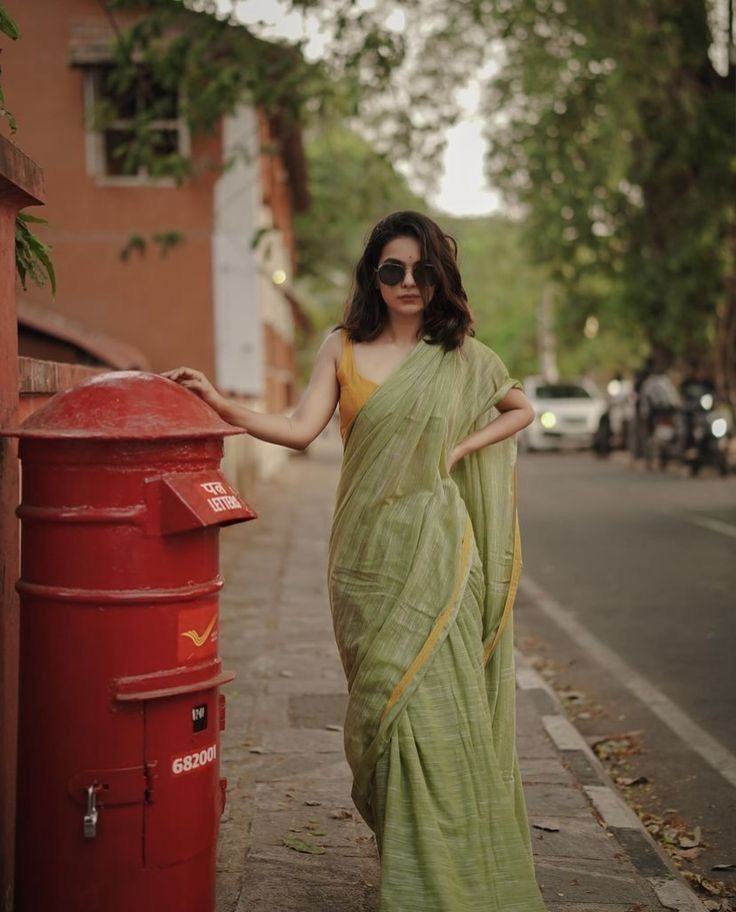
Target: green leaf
{"x":258,"y":236}
{"x":136,"y":243}
{"x":27,"y":218}
{"x":7,"y":24}
{"x":31,"y":253}
{"x":45,"y":261}
{"x":167,"y":240}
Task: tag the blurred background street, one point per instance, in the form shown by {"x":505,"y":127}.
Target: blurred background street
{"x":646,"y":565}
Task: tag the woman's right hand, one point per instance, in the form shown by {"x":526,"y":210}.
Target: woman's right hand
{"x":197,"y":382}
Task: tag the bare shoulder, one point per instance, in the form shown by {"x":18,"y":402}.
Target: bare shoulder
{"x":331,"y":348}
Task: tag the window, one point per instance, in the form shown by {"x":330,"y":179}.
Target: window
{"x":115,"y":150}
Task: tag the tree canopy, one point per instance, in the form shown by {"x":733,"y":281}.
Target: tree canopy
{"x":611,"y":137}
{"x":610,"y":127}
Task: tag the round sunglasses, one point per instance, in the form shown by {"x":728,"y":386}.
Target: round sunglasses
{"x":392,"y":273}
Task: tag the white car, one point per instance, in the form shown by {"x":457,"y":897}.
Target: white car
{"x":567,"y":414}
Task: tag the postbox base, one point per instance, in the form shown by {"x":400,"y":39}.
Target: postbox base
{"x":188,"y":887}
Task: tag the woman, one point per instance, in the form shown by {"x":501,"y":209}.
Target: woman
{"x":423,"y":566}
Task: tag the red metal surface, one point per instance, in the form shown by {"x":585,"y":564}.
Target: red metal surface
{"x":171,"y":682}
{"x":119,"y":636}
{"x":125,"y":405}
{"x":114,"y":786}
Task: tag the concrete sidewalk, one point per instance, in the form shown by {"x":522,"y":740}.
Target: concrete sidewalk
{"x":291,"y":840}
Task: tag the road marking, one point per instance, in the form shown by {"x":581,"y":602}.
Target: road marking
{"x":678,"y":721}
{"x":714,"y":525}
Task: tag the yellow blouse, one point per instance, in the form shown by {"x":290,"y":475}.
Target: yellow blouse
{"x":354,"y":389}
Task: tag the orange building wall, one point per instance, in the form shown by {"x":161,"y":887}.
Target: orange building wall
{"x":161,"y":305}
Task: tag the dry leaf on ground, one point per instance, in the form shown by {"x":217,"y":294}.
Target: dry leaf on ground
{"x":301,"y":845}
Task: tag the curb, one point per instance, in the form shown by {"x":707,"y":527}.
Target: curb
{"x":672,"y":891}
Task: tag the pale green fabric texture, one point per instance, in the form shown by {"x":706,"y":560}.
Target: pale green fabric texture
{"x":420,"y":567}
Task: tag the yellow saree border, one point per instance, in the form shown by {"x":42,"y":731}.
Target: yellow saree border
{"x":510,"y":598}
{"x":440,"y":624}
{"x":513,"y":586}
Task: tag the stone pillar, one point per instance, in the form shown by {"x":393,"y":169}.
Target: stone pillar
{"x":21,"y":184}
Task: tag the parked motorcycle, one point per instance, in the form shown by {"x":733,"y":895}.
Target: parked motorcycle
{"x":614,"y":427}
{"x":707,"y":433}
{"x":663,"y":441}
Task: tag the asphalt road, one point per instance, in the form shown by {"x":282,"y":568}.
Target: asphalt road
{"x":646,"y":563}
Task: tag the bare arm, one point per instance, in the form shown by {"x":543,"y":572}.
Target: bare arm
{"x":297,"y":430}
{"x":517,"y":413}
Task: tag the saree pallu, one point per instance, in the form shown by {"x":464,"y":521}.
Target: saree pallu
{"x":422,"y":573}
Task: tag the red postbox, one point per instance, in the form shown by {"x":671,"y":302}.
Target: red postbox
{"x":119,"y":792}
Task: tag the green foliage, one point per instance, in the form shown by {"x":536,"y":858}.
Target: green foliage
{"x":351,"y":187}
{"x":218,"y":63}
{"x":31,"y":254}
{"x":209,"y":65}
{"x":399,"y":65}
{"x":503,"y":285}
{"x":213,"y":64}
{"x":611,"y":137}
{"x":7,"y":24}
{"x":10,"y":30}
{"x":137,"y":244}
{"x":610,"y":128}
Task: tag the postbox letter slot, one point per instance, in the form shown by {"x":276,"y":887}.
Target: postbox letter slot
{"x":193,"y":500}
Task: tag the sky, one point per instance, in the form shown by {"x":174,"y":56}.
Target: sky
{"x":462,"y":189}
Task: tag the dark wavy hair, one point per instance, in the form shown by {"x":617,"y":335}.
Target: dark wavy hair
{"x":447,"y":317}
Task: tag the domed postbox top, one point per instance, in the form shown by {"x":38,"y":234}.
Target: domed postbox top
{"x":125,"y":405}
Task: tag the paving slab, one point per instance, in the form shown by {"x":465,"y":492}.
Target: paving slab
{"x":584,"y":880}
{"x":536,"y":770}
{"x":263,"y":888}
{"x":556,"y":800}
{"x":581,"y":839}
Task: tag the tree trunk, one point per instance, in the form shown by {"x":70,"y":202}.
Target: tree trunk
{"x":546,"y":338}
{"x":726,"y":332}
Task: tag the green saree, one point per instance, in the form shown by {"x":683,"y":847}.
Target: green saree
{"x":423,"y":569}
